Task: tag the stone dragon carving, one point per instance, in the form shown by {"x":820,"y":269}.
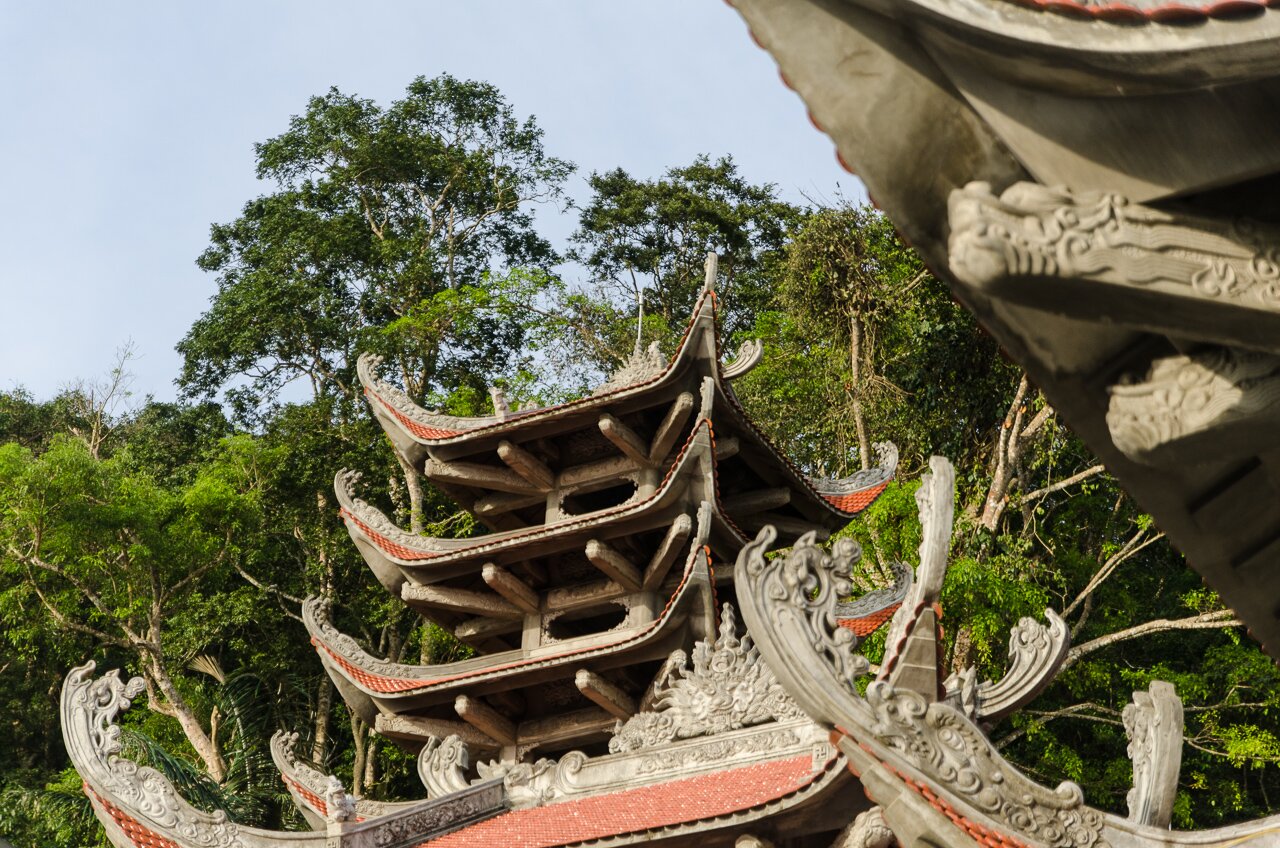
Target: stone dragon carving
{"x":1185,"y":404}
{"x":1035,"y":231}
{"x":727,"y":687}
{"x":867,"y":830}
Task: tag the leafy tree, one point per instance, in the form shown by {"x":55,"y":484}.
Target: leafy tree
{"x":112,"y":555}
{"x":644,"y":242}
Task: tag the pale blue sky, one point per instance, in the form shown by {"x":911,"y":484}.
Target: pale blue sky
{"x":129,"y":128}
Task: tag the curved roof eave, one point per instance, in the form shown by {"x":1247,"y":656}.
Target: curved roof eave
{"x":382,"y":680}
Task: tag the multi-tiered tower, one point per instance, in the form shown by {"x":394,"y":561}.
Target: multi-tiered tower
{"x":612,"y":694}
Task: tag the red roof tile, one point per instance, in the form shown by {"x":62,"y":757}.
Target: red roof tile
{"x":644,"y":808}
{"x":868,"y":624}
{"x":856,"y":501}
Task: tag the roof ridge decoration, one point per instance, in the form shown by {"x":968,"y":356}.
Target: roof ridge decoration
{"x":727,"y":687}
{"x":139,"y":806}
{"x":89,"y":709}
{"x":640,"y":366}
{"x":344,"y":484}
{"x":856,"y":492}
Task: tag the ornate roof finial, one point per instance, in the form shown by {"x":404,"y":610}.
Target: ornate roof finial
{"x":712,"y":267}
{"x":501,"y":409}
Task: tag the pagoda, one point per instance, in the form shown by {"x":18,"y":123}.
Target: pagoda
{"x":612,"y":695}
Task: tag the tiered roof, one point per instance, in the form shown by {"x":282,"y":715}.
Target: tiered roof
{"x":613,"y":522}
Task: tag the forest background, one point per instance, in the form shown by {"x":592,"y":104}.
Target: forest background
{"x":177,"y":540}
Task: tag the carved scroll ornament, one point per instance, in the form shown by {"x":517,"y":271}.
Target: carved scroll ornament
{"x":89,"y":710}
{"x":940,"y":743}
{"x":790,"y":604}
{"x":1036,"y":652}
{"x":1188,"y":407}
{"x":748,"y":357}
{"x":1154,"y":725}
{"x":442,"y":765}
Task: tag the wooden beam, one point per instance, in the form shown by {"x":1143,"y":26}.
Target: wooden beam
{"x":500,"y":503}
{"x":589,"y":472}
{"x":727,"y":447}
{"x":608,"y":696}
{"x":486,"y":719}
{"x":749,"y":503}
{"x":583,"y":595}
{"x":484,"y":627}
{"x":479,"y":476}
{"x":614,"y":565}
{"x":510,"y":587}
{"x":417,"y":729}
{"x":565,"y":727}
{"x":668,"y":549}
{"x":669,"y":430}
{"x":459,"y":600}
{"x":527,"y":465}
{"x":624,"y":439}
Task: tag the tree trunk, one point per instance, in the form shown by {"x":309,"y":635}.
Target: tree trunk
{"x":370,"y":763}
{"x":178,"y":708}
{"x":324,"y":704}
{"x":413,"y":485}
{"x":855,"y":378}
{"x":1005,"y":462}
{"x":361,"y":741}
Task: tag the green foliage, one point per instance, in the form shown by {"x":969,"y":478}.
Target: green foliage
{"x":407,"y":230}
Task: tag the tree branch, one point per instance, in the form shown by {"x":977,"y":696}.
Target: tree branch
{"x":1218,"y":619}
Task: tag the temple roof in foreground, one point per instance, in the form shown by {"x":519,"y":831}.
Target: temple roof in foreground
{"x":1101,"y":195}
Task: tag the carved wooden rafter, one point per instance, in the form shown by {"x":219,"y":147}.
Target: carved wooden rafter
{"x":534,"y":471}
{"x":614,"y":565}
{"x":608,"y":696}
{"x":459,"y":601}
